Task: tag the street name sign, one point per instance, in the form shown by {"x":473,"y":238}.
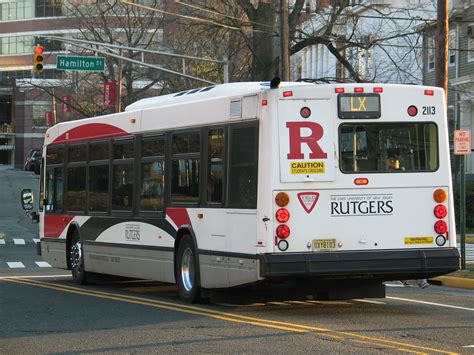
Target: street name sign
{"x":80,"y":63}
{"x":462,"y":142}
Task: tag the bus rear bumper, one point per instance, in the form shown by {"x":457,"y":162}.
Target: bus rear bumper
{"x":382,"y":265}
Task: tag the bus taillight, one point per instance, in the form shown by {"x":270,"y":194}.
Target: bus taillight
{"x":429,"y":92}
{"x":440,"y":211}
{"x":378,"y":90}
{"x":283,"y":231}
{"x":441,"y":227}
{"x":412,"y":111}
{"x":282,"y":215}
{"x":282,"y":199}
{"x":440,"y":195}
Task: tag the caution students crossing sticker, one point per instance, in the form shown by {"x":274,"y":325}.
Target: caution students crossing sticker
{"x":303,"y":167}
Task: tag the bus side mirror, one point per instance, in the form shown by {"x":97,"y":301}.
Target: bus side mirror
{"x":27,"y":204}
{"x":27,"y":199}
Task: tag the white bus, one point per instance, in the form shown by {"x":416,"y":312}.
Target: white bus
{"x":333,"y":189}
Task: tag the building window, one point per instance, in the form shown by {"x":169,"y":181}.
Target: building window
{"x":430,"y":48}
{"x":452,"y":47}
{"x":16,"y":10}
{"x":16,"y":45}
{"x":39,"y":116}
{"x":48,"y":8}
{"x":470,"y":47}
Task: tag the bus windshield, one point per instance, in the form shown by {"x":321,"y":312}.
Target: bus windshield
{"x":388,"y":147}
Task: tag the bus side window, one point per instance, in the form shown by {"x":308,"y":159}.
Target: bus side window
{"x":53,"y":193}
{"x":54,"y":190}
{"x":242,"y":175}
{"x":185,"y":166}
{"x":122,"y":175}
{"x":215,"y":165}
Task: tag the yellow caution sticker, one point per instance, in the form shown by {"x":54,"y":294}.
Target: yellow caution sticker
{"x":311,"y":167}
{"x":419,"y":240}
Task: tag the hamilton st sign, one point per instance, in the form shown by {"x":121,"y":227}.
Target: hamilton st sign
{"x":80,"y":63}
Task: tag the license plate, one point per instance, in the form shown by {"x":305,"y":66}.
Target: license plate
{"x":324,"y":244}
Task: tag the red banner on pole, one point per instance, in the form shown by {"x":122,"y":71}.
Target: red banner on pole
{"x":48,"y":118}
{"x":110,"y":94}
{"x":66,"y":104}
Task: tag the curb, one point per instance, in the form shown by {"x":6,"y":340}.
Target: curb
{"x":449,"y":281}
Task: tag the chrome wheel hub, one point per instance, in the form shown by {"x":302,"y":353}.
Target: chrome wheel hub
{"x":76,"y":255}
{"x":187,"y":270}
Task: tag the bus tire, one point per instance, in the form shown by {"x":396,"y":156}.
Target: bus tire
{"x":187,"y":271}
{"x":76,"y":259}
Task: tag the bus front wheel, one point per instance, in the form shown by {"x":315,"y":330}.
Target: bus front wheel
{"x":76,"y":259}
{"x":186,"y":271}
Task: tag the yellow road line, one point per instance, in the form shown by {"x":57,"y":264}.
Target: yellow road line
{"x":232,"y":317}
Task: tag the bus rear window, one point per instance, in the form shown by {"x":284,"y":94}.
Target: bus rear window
{"x":388,"y":147}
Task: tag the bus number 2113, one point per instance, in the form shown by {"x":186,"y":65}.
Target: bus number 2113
{"x":428,"y":110}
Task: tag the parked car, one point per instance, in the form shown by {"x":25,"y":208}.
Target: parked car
{"x":33,"y":160}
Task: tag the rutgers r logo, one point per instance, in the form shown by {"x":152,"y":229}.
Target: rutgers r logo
{"x":311,"y":140}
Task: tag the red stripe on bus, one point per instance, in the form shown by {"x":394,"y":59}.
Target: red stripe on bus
{"x":90,"y":131}
{"x":54,"y":224}
{"x":178,"y":215}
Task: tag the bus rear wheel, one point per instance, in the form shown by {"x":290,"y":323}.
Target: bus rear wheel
{"x":76,"y":259}
{"x":187,"y":271}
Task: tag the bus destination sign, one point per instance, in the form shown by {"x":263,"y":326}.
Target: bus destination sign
{"x":358,"y":105}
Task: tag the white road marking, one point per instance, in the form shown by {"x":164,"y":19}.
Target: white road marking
{"x":35,"y":240}
{"x":431,"y":303}
{"x":19,"y":241}
{"x":34,"y":277}
{"x":42,"y":264}
{"x":368,"y":301}
{"x":2,"y":241}
{"x":15,"y":265}
{"x":468,"y":346}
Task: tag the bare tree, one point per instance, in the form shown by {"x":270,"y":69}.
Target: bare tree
{"x":111,"y":22}
{"x":347,"y":31}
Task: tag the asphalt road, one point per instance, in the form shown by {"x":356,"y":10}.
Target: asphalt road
{"x":56,"y":316}
{"x":43,"y":313}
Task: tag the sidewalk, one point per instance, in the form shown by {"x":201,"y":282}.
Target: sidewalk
{"x":452,"y":281}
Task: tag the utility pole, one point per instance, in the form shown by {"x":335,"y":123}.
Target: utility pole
{"x":118,"y":107}
{"x":284,"y":41}
{"x":442,"y":41}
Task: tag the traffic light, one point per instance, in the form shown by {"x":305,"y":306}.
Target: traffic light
{"x":38,"y":59}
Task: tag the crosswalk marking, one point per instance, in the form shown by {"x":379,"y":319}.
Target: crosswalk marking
{"x":42,"y":264}
{"x":35,"y":240}
{"x":16,"y":265}
{"x":2,"y":241}
{"x":19,"y":241}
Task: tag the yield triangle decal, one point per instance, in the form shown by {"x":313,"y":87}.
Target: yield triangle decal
{"x":308,"y":200}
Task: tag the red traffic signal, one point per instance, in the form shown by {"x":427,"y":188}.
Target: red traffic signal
{"x":38,"y":59}
{"x":39,"y":49}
